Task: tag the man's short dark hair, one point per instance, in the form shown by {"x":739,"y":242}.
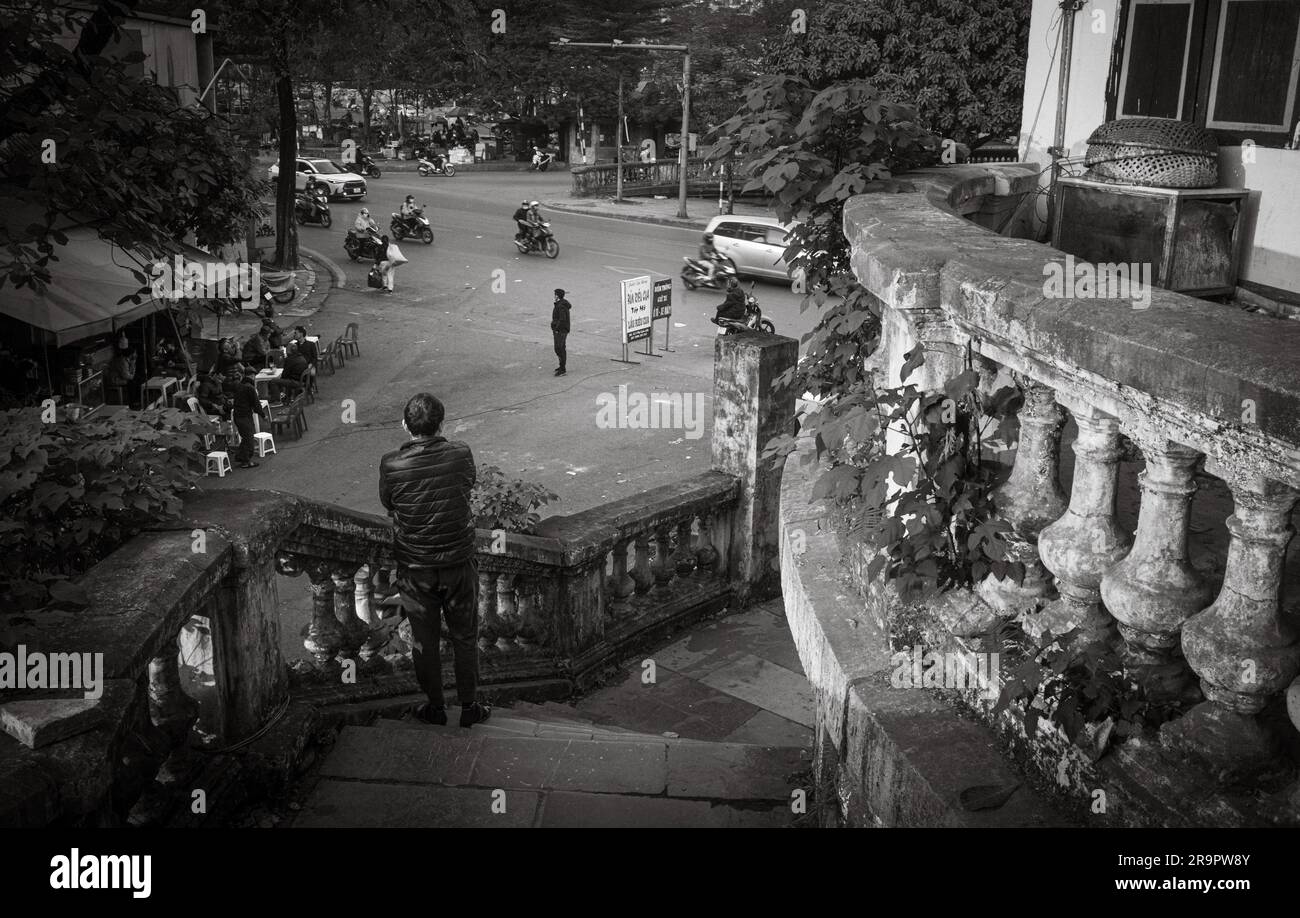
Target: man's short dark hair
{"x":300,"y":328}
{"x":423,"y":415}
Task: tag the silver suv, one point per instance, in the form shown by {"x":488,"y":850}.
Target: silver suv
{"x":755,"y":246}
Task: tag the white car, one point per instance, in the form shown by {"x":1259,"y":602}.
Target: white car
{"x":338,"y":182}
{"x":754,"y":246}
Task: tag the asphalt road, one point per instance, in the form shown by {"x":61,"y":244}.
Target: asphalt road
{"x":471,"y":323}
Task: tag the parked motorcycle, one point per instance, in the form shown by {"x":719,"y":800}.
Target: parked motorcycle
{"x":439,"y":167}
{"x":276,"y":288}
{"x":703,"y":272}
{"x":753,"y":321}
{"x":541,"y":161}
{"x":416,"y":226}
{"x":312,"y":208}
{"x":542,"y":240}
{"x":365,"y":165}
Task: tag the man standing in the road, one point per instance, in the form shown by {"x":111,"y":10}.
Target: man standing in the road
{"x":425,"y":485}
{"x":560,"y":328}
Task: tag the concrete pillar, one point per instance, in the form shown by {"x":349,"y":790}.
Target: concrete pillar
{"x":747,"y":413}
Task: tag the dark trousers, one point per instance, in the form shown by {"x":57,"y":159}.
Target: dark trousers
{"x":559,"y":347}
{"x":429,"y":597}
{"x":244,"y":424}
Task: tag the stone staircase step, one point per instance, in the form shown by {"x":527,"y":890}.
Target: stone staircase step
{"x":454,"y":757}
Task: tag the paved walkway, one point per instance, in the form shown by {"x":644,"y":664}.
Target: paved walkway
{"x":717,"y":733}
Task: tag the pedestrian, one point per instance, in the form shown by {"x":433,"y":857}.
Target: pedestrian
{"x":308,"y":348}
{"x":388,"y":260}
{"x":560,"y":328}
{"x":246,"y":403}
{"x":425,"y":485}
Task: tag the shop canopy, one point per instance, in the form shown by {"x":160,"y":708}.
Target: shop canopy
{"x":87,"y":282}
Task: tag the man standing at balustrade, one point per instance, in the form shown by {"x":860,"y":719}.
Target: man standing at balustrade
{"x":425,"y":485}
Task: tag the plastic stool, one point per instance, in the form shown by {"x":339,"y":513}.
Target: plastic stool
{"x":263,"y":442}
{"x":219,"y":462}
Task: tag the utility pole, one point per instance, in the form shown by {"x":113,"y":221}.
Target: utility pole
{"x":618,"y":144}
{"x":686,"y":107}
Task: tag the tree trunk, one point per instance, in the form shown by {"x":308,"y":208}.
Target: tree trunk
{"x":286,"y":230}
{"x":328,"y":122}
{"x":366,"y":92}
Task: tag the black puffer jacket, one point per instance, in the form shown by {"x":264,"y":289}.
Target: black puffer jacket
{"x":425,"y":486}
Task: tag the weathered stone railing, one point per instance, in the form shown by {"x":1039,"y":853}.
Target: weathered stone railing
{"x":551,"y":606}
{"x":188,"y":616}
{"x":1185,"y":380}
{"x":659,"y":177}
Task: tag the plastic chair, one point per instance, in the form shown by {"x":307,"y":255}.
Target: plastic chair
{"x":340,"y":351}
{"x":349,"y":340}
{"x":263,"y":442}
{"x":218,"y":463}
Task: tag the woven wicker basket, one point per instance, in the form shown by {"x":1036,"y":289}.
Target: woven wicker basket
{"x":1161,"y":152}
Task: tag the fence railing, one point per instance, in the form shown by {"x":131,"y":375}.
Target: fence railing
{"x":660,"y":176}
{"x":1194,"y":384}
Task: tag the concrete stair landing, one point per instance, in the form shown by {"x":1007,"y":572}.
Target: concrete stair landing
{"x":720,"y":740}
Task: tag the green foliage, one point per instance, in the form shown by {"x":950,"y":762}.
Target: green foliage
{"x":1075,"y":683}
{"x":129,"y":159}
{"x":71,"y":492}
{"x":498,"y":502}
{"x":960,"y":62}
{"x":934,"y":530}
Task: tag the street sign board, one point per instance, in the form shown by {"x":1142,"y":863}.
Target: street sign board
{"x":663,"y":298}
{"x":637,"y":297}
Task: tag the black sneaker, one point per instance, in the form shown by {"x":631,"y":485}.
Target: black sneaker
{"x":428,"y":714}
{"x":474,"y":714}
{"x":560,"y":372}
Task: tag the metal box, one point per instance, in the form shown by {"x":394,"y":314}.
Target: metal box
{"x":1189,"y":236}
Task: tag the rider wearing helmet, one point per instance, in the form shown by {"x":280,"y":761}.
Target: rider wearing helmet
{"x":365,"y":224}
{"x":409,"y":210}
{"x":521,"y":220}
{"x":733,"y":307}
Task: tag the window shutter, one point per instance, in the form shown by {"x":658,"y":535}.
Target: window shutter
{"x":1256,"y":58}
{"x":1156,"y":58}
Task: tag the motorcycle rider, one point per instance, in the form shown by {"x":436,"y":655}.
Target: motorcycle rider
{"x":365,"y":224}
{"x":534,"y":221}
{"x":408,"y":212}
{"x":521,"y":221}
{"x":732,"y":309}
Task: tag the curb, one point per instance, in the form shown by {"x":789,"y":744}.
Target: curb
{"x":339,"y":278}
{"x":688,"y":223}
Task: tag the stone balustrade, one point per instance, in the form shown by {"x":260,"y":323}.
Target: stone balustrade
{"x":1191,"y":383}
{"x":660,"y":177}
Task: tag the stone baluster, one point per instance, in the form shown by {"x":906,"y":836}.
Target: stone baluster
{"x":355,"y":631}
{"x":171,"y":710}
{"x":487,"y":610}
{"x":641,"y":575}
{"x":1086,"y":541}
{"x":1029,"y":500}
{"x":684,"y":556}
{"x":532,"y":627}
{"x":1155,"y":589}
{"x":365,"y":593}
{"x":662,"y":568}
{"x":507,"y":612}
{"x":1241,"y":647}
{"x":621,"y":586}
{"x":706,"y":554}
{"x":325,"y":636}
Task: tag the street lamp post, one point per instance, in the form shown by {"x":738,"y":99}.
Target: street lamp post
{"x":686,"y":109}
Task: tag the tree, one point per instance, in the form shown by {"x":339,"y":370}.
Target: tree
{"x":84,"y":142}
{"x":961,"y":63}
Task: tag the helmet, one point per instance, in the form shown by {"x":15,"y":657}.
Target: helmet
{"x":365,"y":212}
{"x":410,"y":197}
{"x":524,"y":203}
{"x":532,"y":204}
{"x":732,"y":283}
